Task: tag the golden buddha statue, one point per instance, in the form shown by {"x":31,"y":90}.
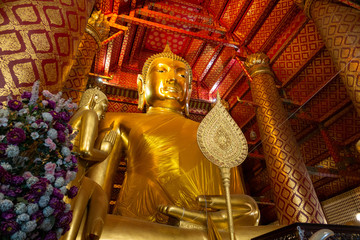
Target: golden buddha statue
{"x":166,"y":171}
{"x":90,"y":204}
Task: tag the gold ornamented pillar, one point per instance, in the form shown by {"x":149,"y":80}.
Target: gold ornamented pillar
{"x":339,"y":27}
{"x":38,"y":40}
{"x":97,"y":29}
{"x":294,"y":194}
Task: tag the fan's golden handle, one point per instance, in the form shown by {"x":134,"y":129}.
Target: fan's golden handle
{"x":225,"y":173}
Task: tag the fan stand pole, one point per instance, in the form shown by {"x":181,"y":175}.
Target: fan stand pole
{"x":225,"y":174}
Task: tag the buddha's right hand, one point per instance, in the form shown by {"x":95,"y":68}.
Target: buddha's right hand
{"x":108,"y":141}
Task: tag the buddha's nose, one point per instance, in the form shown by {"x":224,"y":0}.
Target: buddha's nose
{"x":171,"y":80}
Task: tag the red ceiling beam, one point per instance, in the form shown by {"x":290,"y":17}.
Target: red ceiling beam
{"x":183,"y":11}
{"x":161,"y":27}
{"x":161,"y":16}
{"x":265,"y":14}
{"x":241,"y":15}
{"x":214,"y":57}
{"x":281,"y":27}
{"x":223,"y":75}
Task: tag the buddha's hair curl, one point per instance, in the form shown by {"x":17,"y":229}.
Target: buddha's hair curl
{"x":167,"y":53}
{"x":89,"y":93}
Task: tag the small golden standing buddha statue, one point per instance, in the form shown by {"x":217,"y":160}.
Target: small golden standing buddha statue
{"x":90,"y":204}
{"x":166,"y":171}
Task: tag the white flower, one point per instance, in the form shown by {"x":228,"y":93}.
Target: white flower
{"x":49,"y":189}
{"x":32,"y":208}
{"x":63,"y":190}
{"x":29,"y":226}
{"x":47,"y":224}
{"x":30,"y":119}
{"x":12,"y":151}
{"x":3,"y":122}
{"x":59,"y":162}
{"x":45,"y":103}
{"x":19,"y":235}
{"x":34,"y":135}
{"x":67,"y":207}
{"x":23,"y":111}
{"x":1,"y":196}
{"x":50,"y":177}
{"x":20,"y":208}
{"x":6,"y":205}
{"x":2,"y":137}
{"x":31,"y":180}
{"x":19,"y":124}
{"x":4,"y":113}
{"x":47,"y":117}
{"x":65,"y":151}
{"x":59,"y":182}
{"x":24,"y":217}
{"x":52,"y":134}
{"x":48,"y":211}
{"x":59,"y":232}
{"x":34,"y":125}
{"x":43,"y":125}
{"x":34,"y":93}
{"x":6,"y":166}
{"x":44,"y":201}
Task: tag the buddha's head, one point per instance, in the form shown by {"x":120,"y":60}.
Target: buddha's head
{"x":96,"y":100}
{"x":165,"y":82}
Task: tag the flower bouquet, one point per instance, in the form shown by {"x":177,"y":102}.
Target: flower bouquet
{"x":36,"y":164}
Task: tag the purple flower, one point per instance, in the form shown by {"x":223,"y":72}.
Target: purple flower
{"x":16,"y":136}
{"x":14,"y":192}
{"x":3,"y":147}
{"x":15,"y":105}
{"x":8,"y":227}
{"x":38,"y":188}
{"x":5,"y":177}
{"x":26,"y":95}
{"x":8,"y":215}
{"x":38,"y":121}
{"x":70,"y":128}
{"x":50,"y":236}
{"x":32,"y":198}
{"x":60,"y":173}
{"x":60,"y":127}
{"x":71,"y":193}
{"x":61,"y":136}
{"x":73,"y":159}
{"x":57,"y":193}
{"x":17,"y":180}
{"x":54,"y":202}
{"x":55,"y":115}
{"x":64,"y":220}
{"x":51,"y":104}
{"x":65,"y":116}
{"x":38,"y":217}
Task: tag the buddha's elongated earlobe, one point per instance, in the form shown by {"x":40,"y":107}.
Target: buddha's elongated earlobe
{"x":187,"y":113}
{"x":141,"y":99}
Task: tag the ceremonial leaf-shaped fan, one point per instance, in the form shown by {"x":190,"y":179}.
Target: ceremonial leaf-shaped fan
{"x":223,"y":143}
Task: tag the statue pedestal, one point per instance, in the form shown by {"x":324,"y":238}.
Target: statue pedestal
{"x":303,"y":231}
{"x":124,"y":228}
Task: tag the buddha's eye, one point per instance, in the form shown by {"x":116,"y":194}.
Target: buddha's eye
{"x":182,"y":75}
{"x":161,"y":70}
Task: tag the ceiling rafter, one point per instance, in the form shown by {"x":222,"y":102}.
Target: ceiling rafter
{"x":204,"y":17}
{"x":161,"y":27}
{"x":241,"y":15}
{"x":260,"y":21}
{"x":280,"y":28}
{"x":301,"y":68}
{"x":223,"y":75}
{"x":215,"y":56}
{"x":161,"y":16}
{"x":288,"y":41}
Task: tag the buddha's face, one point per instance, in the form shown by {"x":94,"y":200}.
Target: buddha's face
{"x":167,"y":84}
{"x":100,"y":108}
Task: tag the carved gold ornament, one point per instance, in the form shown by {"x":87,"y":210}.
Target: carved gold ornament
{"x":220,"y":139}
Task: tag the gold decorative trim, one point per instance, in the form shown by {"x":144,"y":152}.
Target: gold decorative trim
{"x":94,"y":33}
{"x":307,"y":7}
{"x":258,"y":63}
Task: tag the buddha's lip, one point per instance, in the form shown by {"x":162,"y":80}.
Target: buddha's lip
{"x":172,"y":89}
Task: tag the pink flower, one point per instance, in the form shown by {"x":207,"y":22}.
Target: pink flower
{"x":68,"y":158}
{"x":50,"y":168}
{"x":49,"y":143}
{"x":27,"y":175}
